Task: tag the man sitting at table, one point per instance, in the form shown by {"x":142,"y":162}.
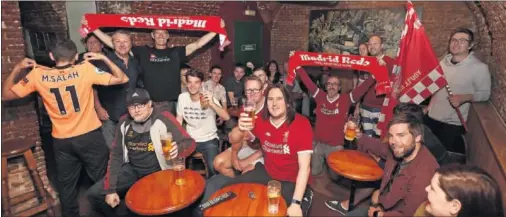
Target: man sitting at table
{"x":408,"y":169}
{"x":286,"y":141}
{"x":243,"y":158}
{"x":137,"y":150}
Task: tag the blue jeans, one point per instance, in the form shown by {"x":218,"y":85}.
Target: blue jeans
{"x":209,"y":150}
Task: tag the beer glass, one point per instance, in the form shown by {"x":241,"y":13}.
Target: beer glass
{"x":179,"y":167}
{"x":273,"y":195}
{"x":234,"y":103}
{"x":203,"y":102}
{"x":351,"y":128}
{"x":249,"y":108}
{"x":166,"y":139}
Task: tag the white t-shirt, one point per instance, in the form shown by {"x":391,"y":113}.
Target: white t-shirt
{"x":200,"y":124}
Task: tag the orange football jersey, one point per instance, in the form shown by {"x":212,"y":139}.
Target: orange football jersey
{"x":68,"y":96}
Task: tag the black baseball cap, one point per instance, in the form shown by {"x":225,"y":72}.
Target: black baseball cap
{"x":138,"y":96}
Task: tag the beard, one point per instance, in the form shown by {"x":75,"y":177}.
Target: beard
{"x":143,"y":120}
{"x":406,"y":154}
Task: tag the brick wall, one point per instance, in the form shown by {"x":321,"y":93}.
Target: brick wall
{"x":202,"y":59}
{"x":487,"y":19}
{"x":20,"y":111}
{"x":20,"y":181}
{"x":47,"y":16}
{"x":491,"y":21}
{"x":291,"y":26}
{"x":19,"y":119}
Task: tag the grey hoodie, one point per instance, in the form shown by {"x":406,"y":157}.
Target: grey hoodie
{"x":469,"y":76}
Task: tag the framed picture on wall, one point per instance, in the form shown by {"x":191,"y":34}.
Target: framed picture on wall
{"x":341,"y":31}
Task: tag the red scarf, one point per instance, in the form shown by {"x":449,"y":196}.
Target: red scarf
{"x":362,"y":63}
{"x":201,"y":23}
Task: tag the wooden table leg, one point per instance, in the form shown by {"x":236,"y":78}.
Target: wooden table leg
{"x":352,"y":196}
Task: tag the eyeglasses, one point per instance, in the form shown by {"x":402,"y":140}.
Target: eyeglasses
{"x":333,"y":84}
{"x":459,"y":41}
{"x":250,"y":91}
{"x":136,"y":106}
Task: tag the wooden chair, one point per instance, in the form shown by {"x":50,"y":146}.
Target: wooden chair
{"x":15,"y":148}
{"x":200,"y":157}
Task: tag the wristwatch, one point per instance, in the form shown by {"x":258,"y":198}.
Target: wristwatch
{"x":296,"y":201}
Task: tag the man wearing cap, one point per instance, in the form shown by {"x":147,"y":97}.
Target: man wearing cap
{"x":137,"y":150}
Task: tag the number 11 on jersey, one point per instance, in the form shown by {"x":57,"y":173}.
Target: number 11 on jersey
{"x":59,"y":100}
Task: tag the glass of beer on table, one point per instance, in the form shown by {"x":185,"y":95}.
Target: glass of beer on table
{"x":273,"y":195}
{"x":166,"y":139}
{"x":203,"y":102}
{"x":179,"y":167}
{"x":351,"y":128}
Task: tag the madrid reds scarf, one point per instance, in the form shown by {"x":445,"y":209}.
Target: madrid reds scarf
{"x":362,"y":63}
{"x":202,"y":23}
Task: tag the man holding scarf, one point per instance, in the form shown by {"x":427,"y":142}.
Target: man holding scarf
{"x":164,"y":88}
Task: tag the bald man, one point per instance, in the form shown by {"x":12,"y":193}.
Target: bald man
{"x":370,"y":107}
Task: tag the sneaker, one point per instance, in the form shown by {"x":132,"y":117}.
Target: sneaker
{"x":336,"y":206}
{"x":307,"y":201}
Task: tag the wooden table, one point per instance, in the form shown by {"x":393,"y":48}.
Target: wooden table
{"x":356,"y":166}
{"x":157,"y":193}
{"x":242,"y":204}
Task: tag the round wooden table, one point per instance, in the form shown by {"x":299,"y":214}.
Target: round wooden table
{"x":157,"y":193}
{"x":243,"y":204}
{"x":356,"y":166}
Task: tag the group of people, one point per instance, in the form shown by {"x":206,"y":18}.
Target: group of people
{"x":109,"y":110}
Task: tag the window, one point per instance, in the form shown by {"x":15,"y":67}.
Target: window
{"x":41,"y":42}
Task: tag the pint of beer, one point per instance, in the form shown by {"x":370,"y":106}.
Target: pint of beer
{"x":351,"y":128}
{"x":234,"y":103}
{"x":203,"y":102}
{"x":166,"y":140}
{"x":351,"y":131}
{"x":251,"y":114}
{"x":179,"y":167}
{"x":273,"y":195}
{"x":249,"y":108}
